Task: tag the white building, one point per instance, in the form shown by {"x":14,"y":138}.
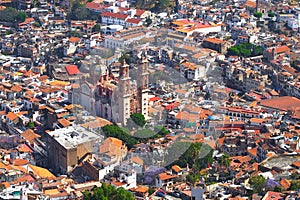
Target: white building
{"x":114,"y":18}
{"x":293,"y":23}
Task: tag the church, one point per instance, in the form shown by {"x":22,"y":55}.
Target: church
{"x":113,"y":97}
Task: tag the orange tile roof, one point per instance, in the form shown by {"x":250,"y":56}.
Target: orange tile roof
{"x":117,"y":183}
{"x":20,"y":162}
{"x":176,"y":168}
{"x":253,"y":151}
{"x":285,"y":184}
{"x":74,"y":39}
{"x":284,"y":103}
{"x":251,"y":4}
{"x":214,"y":40}
{"x":257,"y":120}
{"x":24,"y":148}
{"x":41,"y":172}
{"x":6,"y":184}
{"x":189,"y":65}
{"x":165,"y":176}
{"x":282,"y":49}
{"x":137,"y":160}
{"x":111,"y":146}
{"x":4,"y":166}
{"x":12,"y":116}
{"x":64,"y":122}
{"x":296,"y":164}
{"x":16,"y":88}
{"x":30,"y":135}
{"x":98,"y":123}
{"x":141,"y":189}
{"x":272,"y":196}
{"x":221,"y":141}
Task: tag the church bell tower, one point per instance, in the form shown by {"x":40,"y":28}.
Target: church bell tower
{"x":142,"y":85}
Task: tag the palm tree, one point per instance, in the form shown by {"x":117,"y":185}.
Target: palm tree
{"x":225,"y":160}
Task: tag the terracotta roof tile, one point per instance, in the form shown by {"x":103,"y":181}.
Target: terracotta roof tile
{"x":284,"y":103}
{"x":253,"y":151}
{"x":64,"y":122}
{"x":285,"y":184}
{"x":30,"y":135}
{"x":165,"y":176}
{"x":137,"y":160}
{"x":41,"y":172}
{"x":141,"y":189}
{"x":12,"y":116}
{"x":72,"y":69}
{"x":20,"y":162}
{"x":176,"y":168}
{"x":114,"y":15}
{"x":74,"y":39}
{"x":214,"y":40}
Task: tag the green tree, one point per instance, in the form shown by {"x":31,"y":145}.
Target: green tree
{"x":122,"y":134}
{"x":151,"y":191}
{"x":233,"y":51}
{"x":125,"y":56}
{"x":161,"y":130}
{"x":257,"y":50}
{"x":257,"y":15}
{"x":295,"y":176}
{"x":21,"y":16}
{"x":225,"y":160}
{"x":245,"y":52}
{"x":278,"y":189}
{"x":193,"y":179}
{"x":79,"y":12}
{"x":162,"y":5}
{"x":108,"y":192}
{"x":10,"y":14}
{"x":258,"y":183}
{"x":97,"y":28}
{"x":144,"y":134}
{"x":30,"y":125}
{"x":271,"y":14}
{"x":138,"y":119}
{"x":37,"y":24}
{"x":245,"y":49}
{"x":197,"y":155}
{"x":295,"y":185}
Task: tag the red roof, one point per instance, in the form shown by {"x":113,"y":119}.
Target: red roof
{"x":139,"y":12}
{"x":133,"y":21}
{"x":172,"y":105}
{"x":27,"y":21}
{"x":95,"y":6}
{"x":72,"y":69}
{"x":114,"y":15}
{"x":280,"y":49}
{"x":154,"y":99}
{"x":122,"y":9}
{"x":214,"y":40}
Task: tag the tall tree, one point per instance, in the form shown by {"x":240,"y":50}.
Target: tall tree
{"x":10,"y":14}
{"x":117,"y":132}
{"x":258,"y":183}
{"x":138,"y":119}
{"x":108,"y":192}
{"x":225,"y":160}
